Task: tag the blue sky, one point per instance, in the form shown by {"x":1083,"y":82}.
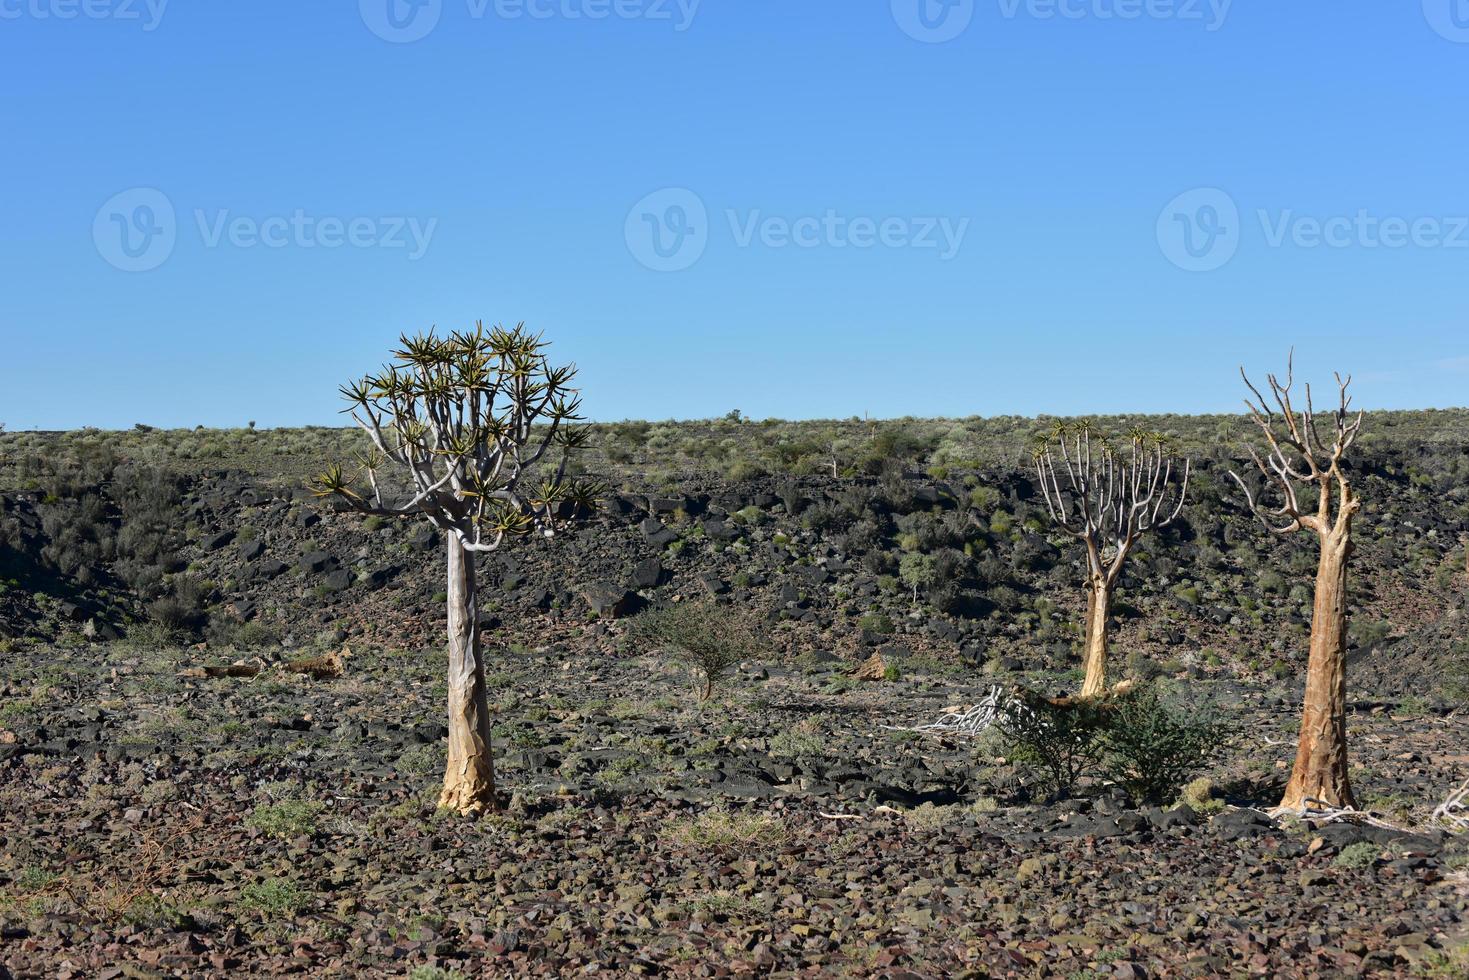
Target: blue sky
{"x":797,"y":209}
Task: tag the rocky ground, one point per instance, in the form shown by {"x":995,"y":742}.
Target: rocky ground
{"x":158,"y":824}
{"x":158,"y":820}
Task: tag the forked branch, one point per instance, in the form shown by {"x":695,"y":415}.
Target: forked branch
{"x":1297,"y":455}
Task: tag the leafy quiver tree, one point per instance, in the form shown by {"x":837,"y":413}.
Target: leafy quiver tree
{"x":1298,"y":464}
{"x":1107,"y":498}
{"x":474,"y":420}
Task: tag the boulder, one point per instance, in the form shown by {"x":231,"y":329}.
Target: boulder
{"x":610,"y":601}
{"x":317,"y":562}
{"x":338,"y":580}
{"x":656,"y":534}
{"x":647,"y":574}
{"x":217,"y":540}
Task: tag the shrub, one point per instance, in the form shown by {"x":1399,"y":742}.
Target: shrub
{"x":1059,"y":741}
{"x":708,"y":639}
{"x":728,"y":831}
{"x":1199,"y":796}
{"x":288,"y":818}
{"x":1152,"y":746}
{"x":273,"y":898}
{"x":1362,"y":854}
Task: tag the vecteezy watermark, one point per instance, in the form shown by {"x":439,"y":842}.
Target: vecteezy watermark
{"x":1363,"y":230}
{"x":136,"y":231}
{"x":1450,"y":18}
{"x":405,"y":21}
{"x":1201,"y":230}
{"x":148,"y":13}
{"x":937,"y":21}
{"x":1210,"y":13}
{"x":401,"y":21}
{"x":302,"y":230}
{"x":834,"y":230}
{"x":668,"y":231}
{"x":933,"y":21}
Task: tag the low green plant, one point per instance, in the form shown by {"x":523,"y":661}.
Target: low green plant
{"x":1200,"y":796}
{"x":434,"y":973}
{"x":710,"y":640}
{"x":727,"y":830}
{"x":1059,"y":741}
{"x":1362,"y":854}
{"x":1152,"y":746}
{"x":288,"y":818}
{"x":274,"y":898}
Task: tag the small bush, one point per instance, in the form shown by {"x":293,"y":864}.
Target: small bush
{"x":708,"y":639}
{"x":1152,"y":746}
{"x":1058,"y":741}
{"x":729,"y":831}
{"x":434,"y":973}
{"x":1199,"y":796}
{"x":273,"y":898}
{"x":1362,"y":854}
{"x":288,"y":818}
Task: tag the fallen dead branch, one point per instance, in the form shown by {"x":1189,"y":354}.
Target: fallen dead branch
{"x":969,"y":723}
{"x":1454,"y":811}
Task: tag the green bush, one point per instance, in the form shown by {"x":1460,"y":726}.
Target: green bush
{"x":273,"y":898}
{"x":1362,"y":854}
{"x":1059,"y":742}
{"x":1152,"y":746}
{"x":708,"y":639}
{"x":288,"y":818}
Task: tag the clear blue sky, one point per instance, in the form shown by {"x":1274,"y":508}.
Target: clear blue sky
{"x":1053,"y":139}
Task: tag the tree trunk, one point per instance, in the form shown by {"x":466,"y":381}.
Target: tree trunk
{"x":1320,"y":774}
{"x":1098,"y":607}
{"x":469,"y":778}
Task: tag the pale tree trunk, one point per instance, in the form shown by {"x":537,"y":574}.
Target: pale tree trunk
{"x":1098,"y":607}
{"x":1320,"y":773}
{"x":469,"y":778}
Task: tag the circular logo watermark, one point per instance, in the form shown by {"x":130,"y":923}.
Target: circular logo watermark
{"x":1199,"y":230}
{"x":401,"y":21}
{"x":135,"y":231}
{"x":1450,"y":18}
{"x":933,"y":21}
{"x":668,"y":230}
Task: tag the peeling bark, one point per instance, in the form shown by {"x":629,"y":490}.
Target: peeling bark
{"x":1098,"y":608}
{"x":469,"y":777}
{"x":1319,"y":777}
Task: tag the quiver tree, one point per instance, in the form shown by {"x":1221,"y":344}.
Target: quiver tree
{"x":1109,"y":498}
{"x":1300,"y":464}
{"x":470,"y":419}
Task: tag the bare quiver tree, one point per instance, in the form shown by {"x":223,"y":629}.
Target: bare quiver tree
{"x":1300,"y":462}
{"x":1109,"y":498}
{"x":471,"y":419}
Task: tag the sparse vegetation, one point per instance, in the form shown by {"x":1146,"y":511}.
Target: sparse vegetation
{"x":1153,"y":746}
{"x":708,"y":639}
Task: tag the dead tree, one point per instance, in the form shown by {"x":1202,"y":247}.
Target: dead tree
{"x":1109,"y":499}
{"x":1299,"y":461}
{"x":468,"y":417}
